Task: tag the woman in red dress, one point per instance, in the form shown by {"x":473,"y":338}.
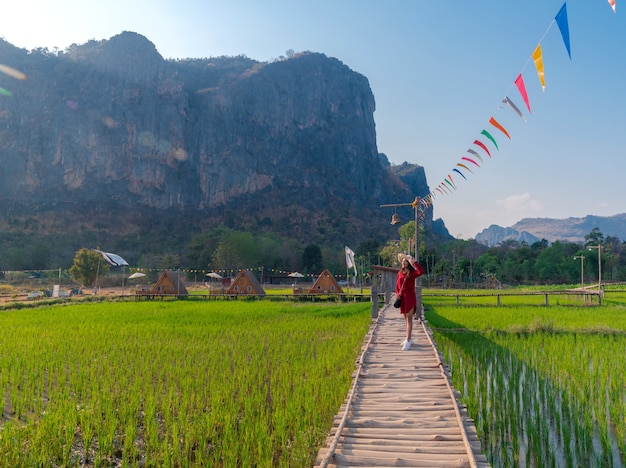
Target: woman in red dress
{"x":410,"y":270}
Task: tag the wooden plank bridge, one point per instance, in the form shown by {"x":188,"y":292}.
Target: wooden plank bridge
{"x":401,"y":409}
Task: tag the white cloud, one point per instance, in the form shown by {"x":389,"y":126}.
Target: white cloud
{"x":523,"y":202}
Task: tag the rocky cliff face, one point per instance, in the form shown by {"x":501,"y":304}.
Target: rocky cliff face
{"x":288,"y":146}
{"x":495,"y":235}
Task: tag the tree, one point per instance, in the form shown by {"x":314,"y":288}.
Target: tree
{"x":407,"y":237}
{"x":168,"y":261}
{"x":202,"y":246}
{"x":235,"y":249}
{"x":488,"y":264}
{"x":555,"y":265}
{"x":87,"y":266}
{"x":595,"y":237}
{"x":312,"y":259}
{"x":389,"y":254}
{"x":368,"y":249}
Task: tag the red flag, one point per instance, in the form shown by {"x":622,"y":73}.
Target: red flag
{"x":519,"y":82}
{"x":482,"y":145}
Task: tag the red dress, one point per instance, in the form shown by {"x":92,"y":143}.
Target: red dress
{"x":405,"y":288}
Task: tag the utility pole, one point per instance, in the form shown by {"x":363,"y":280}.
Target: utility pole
{"x":599,"y":248}
{"x":582,"y":266}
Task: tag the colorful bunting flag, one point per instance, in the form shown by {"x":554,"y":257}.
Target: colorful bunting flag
{"x":448,"y":185}
{"x":513,"y":107}
{"x":519,"y":82}
{"x":475,"y":154}
{"x":538,"y":59}
{"x":482,"y":145}
{"x":456,"y":170}
{"x":612,"y":3}
{"x":465,"y":167}
{"x":496,"y":124}
{"x":561,"y":21}
{"x":465,"y":158}
{"x":488,"y":135}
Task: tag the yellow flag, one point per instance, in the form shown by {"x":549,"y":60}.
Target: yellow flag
{"x":538,"y":58}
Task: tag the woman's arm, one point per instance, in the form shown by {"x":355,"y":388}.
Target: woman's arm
{"x":418,"y":269}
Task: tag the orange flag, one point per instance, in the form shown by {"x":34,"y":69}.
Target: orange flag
{"x":612,"y":3}
{"x":538,"y":58}
{"x":496,"y":124}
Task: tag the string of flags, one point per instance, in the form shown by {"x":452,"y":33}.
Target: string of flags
{"x":224,"y":271}
{"x":228,"y":272}
{"x":480,"y":147}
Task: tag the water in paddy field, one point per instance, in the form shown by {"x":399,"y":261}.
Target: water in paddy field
{"x":527,"y":420}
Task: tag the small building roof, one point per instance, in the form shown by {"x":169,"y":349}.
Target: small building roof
{"x":170,"y":282}
{"x":326,"y":284}
{"x":246,"y":283}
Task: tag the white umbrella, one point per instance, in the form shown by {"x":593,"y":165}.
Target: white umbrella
{"x":296,"y":275}
{"x":213,"y":275}
{"x":136,"y":275}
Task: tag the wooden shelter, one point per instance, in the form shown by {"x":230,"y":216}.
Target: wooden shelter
{"x":169,"y":282}
{"x":246,"y":283}
{"x":326,"y":284}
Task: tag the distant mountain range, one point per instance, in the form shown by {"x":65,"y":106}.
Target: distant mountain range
{"x":531,"y":230}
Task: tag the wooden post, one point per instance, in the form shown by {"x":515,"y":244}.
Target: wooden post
{"x":374,"y":297}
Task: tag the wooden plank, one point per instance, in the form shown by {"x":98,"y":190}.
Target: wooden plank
{"x":402,"y":411}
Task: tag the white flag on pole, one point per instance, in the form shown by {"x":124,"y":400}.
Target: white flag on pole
{"x":112,"y":258}
{"x":350,"y":263}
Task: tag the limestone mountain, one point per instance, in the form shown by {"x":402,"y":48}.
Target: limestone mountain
{"x":110,"y":136}
{"x":574,"y":230}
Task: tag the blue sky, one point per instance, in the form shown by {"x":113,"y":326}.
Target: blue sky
{"x":438,"y":71}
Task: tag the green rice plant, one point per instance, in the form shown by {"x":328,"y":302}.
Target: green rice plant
{"x":176,"y":383}
{"x":540,"y":382}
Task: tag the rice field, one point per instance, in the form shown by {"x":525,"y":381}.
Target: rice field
{"x":228,"y":383}
{"x":545,"y":385}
